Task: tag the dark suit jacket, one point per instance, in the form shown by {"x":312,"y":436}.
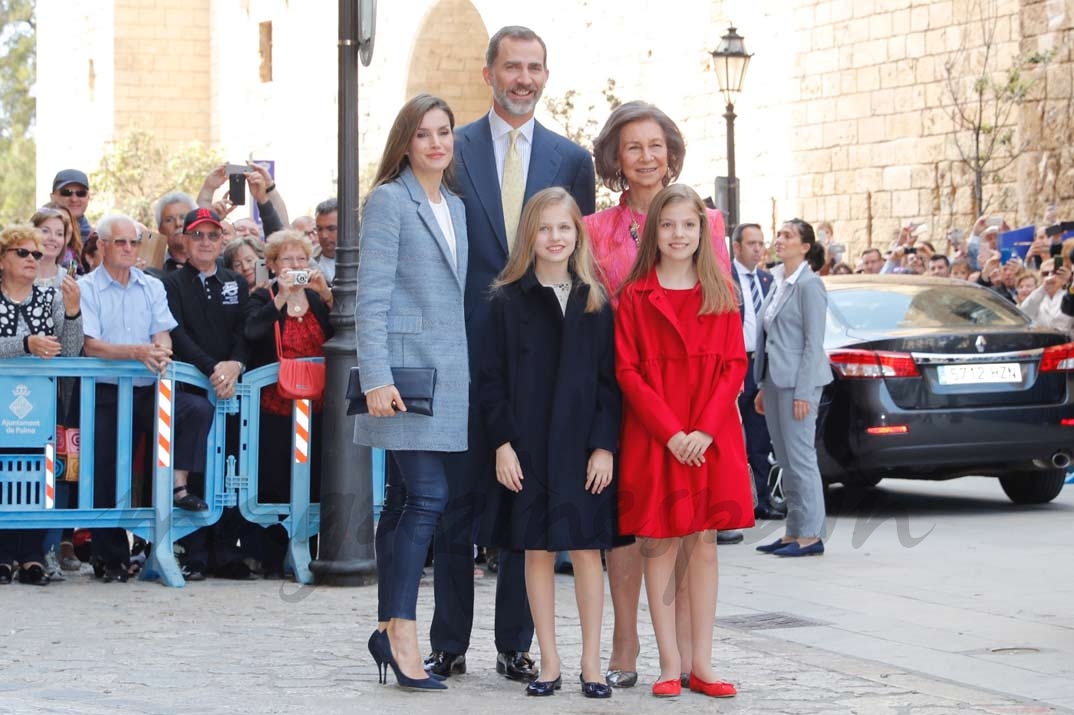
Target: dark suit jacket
{"x":554,"y":161}
{"x":743,"y":293}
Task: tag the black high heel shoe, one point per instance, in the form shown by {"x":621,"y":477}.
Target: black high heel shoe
{"x":381,"y":652}
{"x":376,"y":649}
{"x":404,"y":681}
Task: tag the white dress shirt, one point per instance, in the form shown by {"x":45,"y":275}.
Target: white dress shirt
{"x":781,"y":282}
{"x":443,"y":218}
{"x":501,"y":140}
{"x":749,"y":316}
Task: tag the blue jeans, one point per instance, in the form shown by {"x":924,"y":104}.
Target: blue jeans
{"x":414,"y":499}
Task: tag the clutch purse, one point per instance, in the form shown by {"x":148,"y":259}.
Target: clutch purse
{"x":415,"y":385}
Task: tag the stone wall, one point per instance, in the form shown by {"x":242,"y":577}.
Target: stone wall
{"x":162,"y":69}
{"x":1046,"y":170}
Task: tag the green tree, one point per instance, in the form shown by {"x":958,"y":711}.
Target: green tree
{"x":136,"y":169}
{"x":18,"y":70}
{"x":582,"y":127}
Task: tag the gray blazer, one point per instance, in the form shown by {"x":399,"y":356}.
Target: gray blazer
{"x":409,"y":313}
{"x":790,"y":354}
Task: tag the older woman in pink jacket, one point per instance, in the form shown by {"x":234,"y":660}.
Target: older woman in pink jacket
{"x":639,"y":152}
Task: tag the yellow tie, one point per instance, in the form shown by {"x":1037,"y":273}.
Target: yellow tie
{"x":511,"y":190}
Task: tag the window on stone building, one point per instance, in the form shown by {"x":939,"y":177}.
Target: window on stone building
{"x":265,"y":29}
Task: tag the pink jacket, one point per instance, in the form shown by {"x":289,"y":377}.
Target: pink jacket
{"x":614,"y":248}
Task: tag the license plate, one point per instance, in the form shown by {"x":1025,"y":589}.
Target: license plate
{"x":1004,"y":372}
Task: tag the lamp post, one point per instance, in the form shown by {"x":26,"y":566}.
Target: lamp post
{"x":730,"y":60}
{"x":345,"y":550}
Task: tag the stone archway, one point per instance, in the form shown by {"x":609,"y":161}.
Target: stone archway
{"x":447,"y":58}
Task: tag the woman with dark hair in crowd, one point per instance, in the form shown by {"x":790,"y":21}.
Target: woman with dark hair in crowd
{"x":91,"y":254}
{"x":791,"y":370}
{"x":45,"y":322}
{"x":411,"y":274}
{"x":639,"y":151}
{"x":295,"y":315}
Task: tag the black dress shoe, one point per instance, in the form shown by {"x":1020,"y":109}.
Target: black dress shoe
{"x":541,"y":688}
{"x":445,"y":664}
{"x":594,"y":689}
{"x":516,"y":666}
{"x":188,"y":502}
{"x":767,"y":513}
{"x":729,"y":537}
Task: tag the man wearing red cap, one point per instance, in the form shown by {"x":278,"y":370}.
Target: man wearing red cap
{"x":209,"y":302}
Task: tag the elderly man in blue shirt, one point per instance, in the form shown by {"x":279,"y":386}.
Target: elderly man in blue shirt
{"x":125,"y":316}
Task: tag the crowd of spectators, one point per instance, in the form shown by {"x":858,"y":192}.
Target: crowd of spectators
{"x":1037,"y":283}
{"x":198,"y":289}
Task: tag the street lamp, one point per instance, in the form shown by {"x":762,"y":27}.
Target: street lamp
{"x":345,"y":549}
{"x":730,"y":60}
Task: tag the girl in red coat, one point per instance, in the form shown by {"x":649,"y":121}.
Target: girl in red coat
{"x":680,"y":361}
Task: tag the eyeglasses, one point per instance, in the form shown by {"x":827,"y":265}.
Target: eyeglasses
{"x":311,"y":233}
{"x":1045,"y":274}
{"x":26,"y":253}
{"x":213,"y":236}
{"x":125,"y":242}
{"x":80,"y":193}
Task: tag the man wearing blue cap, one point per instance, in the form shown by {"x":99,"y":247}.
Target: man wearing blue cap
{"x":70,"y":189}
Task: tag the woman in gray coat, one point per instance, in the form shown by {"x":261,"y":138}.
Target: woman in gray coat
{"x":411,"y":279}
{"x":791,"y":369}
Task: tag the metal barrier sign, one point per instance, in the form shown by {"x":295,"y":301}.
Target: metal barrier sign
{"x":27,"y":412}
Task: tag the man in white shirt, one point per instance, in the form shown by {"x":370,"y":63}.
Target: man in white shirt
{"x":753,"y":282}
{"x":1044,"y":304}
{"x":326,"y":218}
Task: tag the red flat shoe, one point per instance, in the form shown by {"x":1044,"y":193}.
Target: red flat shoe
{"x":667,"y":688}
{"x":717,"y":689}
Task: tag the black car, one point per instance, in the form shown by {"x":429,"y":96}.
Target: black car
{"x":938,"y":378}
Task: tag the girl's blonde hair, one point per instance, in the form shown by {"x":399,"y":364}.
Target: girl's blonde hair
{"x":523,"y":256}
{"x":717,"y":296}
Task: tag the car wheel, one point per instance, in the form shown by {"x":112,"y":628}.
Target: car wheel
{"x":776,"y":497}
{"x":1033,"y":487}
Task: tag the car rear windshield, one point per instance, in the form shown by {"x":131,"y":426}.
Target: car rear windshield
{"x":894,"y":306}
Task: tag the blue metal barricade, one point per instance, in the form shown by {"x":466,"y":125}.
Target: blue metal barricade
{"x":300,"y":518}
{"x":27,"y":458}
{"x":27,"y":437}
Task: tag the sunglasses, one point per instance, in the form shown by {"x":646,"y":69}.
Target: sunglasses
{"x":124,"y":242}
{"x":26,"y":253}
{"x":213,"y":236}
{"x":80,"y":193}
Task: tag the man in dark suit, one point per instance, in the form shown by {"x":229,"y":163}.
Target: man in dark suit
{"x":753,"y":282}
{"x":502,"y":159}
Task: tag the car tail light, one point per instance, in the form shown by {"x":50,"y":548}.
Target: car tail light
{"x":867,"y":364}
{"x":888,"y":429}
{"x":1058,"y":358}
{"x":1067,"y":422}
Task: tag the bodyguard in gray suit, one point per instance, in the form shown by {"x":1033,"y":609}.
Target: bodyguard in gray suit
{"x":791,"y":369}
{"x":411,"y":286}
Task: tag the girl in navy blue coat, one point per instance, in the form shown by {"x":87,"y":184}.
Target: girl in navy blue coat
{"x":551,"y":408}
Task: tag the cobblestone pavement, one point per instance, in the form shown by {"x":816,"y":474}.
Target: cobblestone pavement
{"x":80,"y":647}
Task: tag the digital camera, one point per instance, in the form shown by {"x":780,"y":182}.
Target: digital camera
{"x":301,"y":277}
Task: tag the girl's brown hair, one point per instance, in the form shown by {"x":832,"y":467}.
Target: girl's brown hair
{"x":523,"y":254}
{"x":717,"y":296}
{"x":394,"y":159}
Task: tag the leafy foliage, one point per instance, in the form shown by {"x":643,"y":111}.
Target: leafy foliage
{"x":18,"y":70}
{"x":137,"y":169}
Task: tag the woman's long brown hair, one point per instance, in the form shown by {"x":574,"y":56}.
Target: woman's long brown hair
{"x":394,"y":159}
{"x":717,"y":296}
{"x":524,"y":253}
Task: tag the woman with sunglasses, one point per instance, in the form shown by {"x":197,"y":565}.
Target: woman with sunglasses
{"x":40,"y":321}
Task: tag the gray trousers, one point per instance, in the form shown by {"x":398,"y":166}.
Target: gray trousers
{"x":792,"y":442}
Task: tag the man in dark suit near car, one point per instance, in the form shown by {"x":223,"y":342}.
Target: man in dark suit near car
{"x":753,"y":282}
{"x":502,"y":159}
